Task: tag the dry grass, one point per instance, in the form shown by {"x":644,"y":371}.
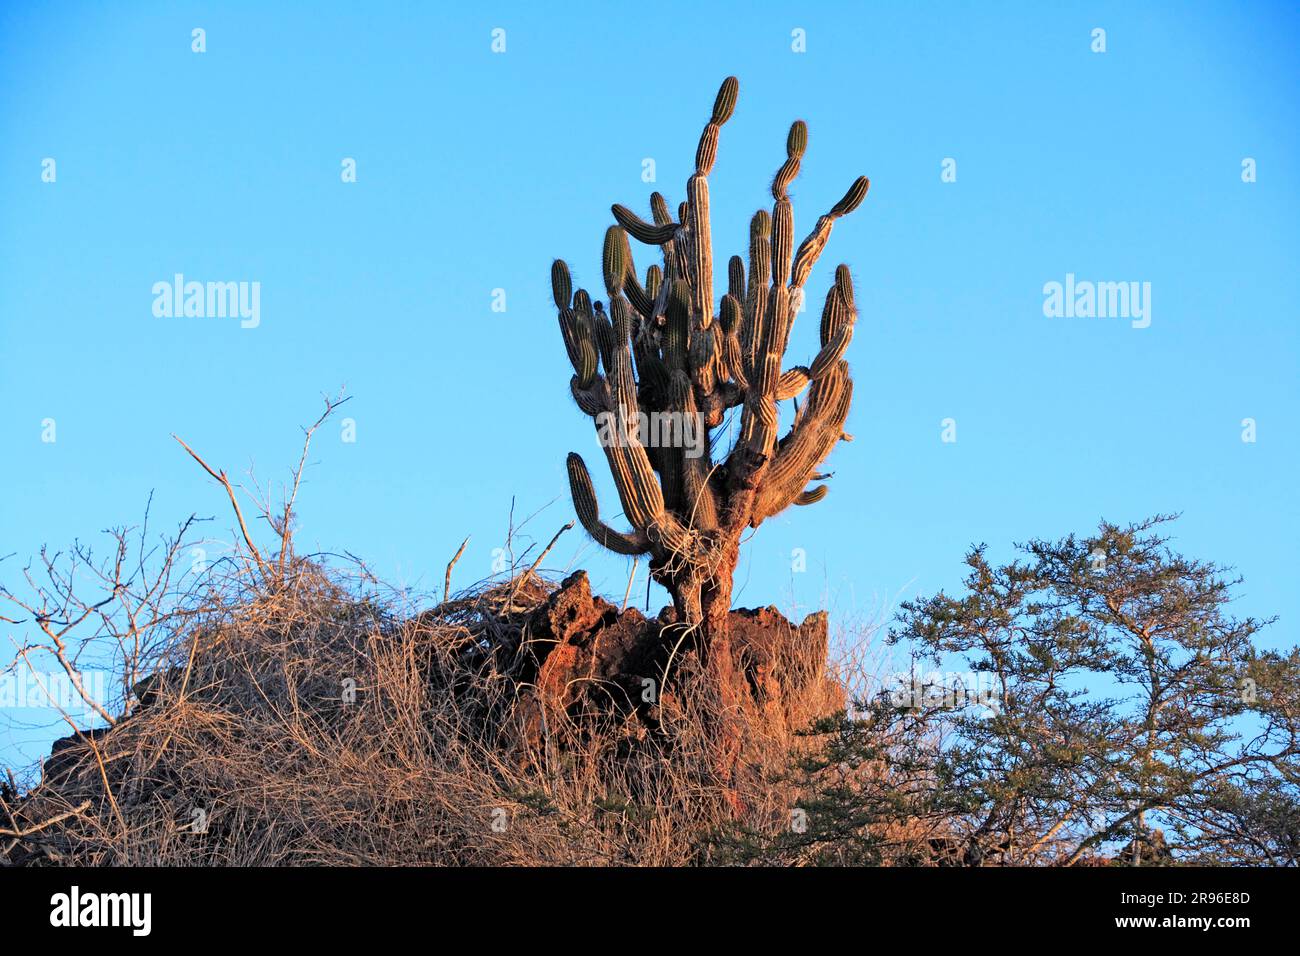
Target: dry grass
{"x":311,"y":724}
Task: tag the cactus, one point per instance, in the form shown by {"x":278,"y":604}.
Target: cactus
{"x":666,"y":352}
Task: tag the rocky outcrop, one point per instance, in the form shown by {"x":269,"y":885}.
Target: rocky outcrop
{"x":593,"y":660}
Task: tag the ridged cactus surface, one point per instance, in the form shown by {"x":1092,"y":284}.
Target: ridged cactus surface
{"x":661,"y":368}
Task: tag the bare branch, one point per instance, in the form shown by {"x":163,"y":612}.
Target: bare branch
{"x":234,"y":502}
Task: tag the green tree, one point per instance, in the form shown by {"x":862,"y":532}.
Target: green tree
{"x":1114,"y":711}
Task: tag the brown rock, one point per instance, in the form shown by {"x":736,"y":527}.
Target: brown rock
{"x":592,"y":660}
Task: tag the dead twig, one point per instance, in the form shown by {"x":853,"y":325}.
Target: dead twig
{"x":234,"y":502}
{"x":630,"y":578}
{"x":446,"y":584}
{"x":545,"y":551}
{"x":286,"y":519}
{"x":18,"y":834}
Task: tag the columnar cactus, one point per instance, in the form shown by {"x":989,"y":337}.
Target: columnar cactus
{"x":660,"y":369}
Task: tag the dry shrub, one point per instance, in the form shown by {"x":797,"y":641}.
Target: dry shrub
{"x":319,"y":723}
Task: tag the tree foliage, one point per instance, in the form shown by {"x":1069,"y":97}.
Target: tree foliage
{"x":1123,"y":715}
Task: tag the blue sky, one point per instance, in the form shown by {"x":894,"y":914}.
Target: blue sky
{"x":475,"y":169}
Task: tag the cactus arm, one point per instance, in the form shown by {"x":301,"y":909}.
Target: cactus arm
{"x":641,"y":300}
{"x":616,"y":260}
{"x":771,"y":319}
{"x":642,"y":231}
{"x":588,"y":399}
{"x":704,"y":359}
{"x":584,"y":503}
{"x":699,"y":505}
{"x":792,"y":382}
{"x":659,"y":210}
{"x":700,"y":249}
{"x":622,"y":381}
{"x":654,"y":279}
{"x":831,"y":353}
{"x":638,"y":490}
{"x":697,"y":220}
{"x":561,"y":284}
{"x":812,"y":495}
{"x":604,"y":336}
{"x":733,"y":357}
{"x":810,"y":440}
{"x":811,"y":248}
{"x":760,"y":250}
{"x":582,"y":302}
{"x":782,"y":211}
{"x":736,"y":278}
{"x":839,"y":310}
{"x":575,"y":333}
{"x":759,"y":419}
{"x":782,"y":242}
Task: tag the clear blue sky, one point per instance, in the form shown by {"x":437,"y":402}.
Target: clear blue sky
{"x":474,"y":169}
